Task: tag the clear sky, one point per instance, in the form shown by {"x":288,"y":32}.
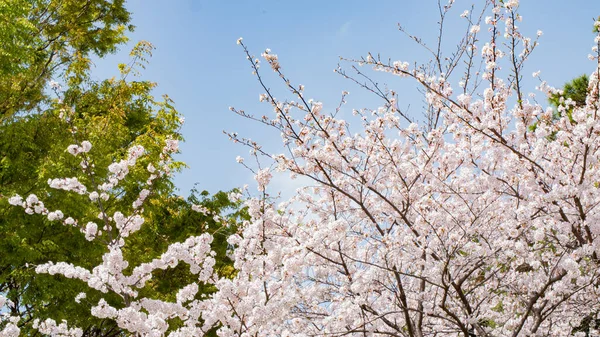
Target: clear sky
{"x":198,"y":64}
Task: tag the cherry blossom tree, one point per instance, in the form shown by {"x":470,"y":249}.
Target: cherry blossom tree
{"x":466,"y":223}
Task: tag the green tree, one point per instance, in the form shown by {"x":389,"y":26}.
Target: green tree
{"x":47,"y":40}
{"x":113,"y":115}
{"x":43,"y":40}
{"x":575,"y":91}
{"x":572,"y":96}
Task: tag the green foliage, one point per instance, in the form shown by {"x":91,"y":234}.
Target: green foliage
{"x":45,"y":39}
{"x":574,"y":93}
{"x":574,"y":90}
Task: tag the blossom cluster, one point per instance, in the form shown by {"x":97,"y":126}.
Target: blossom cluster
{"x":8,"y":323}
{"x":84,"y":147}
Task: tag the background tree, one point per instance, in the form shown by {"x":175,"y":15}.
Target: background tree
{"x":32,"y":148}
{"x":44,"y":43}
{"x":572,"y":95}
{"x":47,"y":39}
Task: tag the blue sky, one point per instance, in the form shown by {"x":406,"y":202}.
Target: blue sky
{"x":198,"y":64}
